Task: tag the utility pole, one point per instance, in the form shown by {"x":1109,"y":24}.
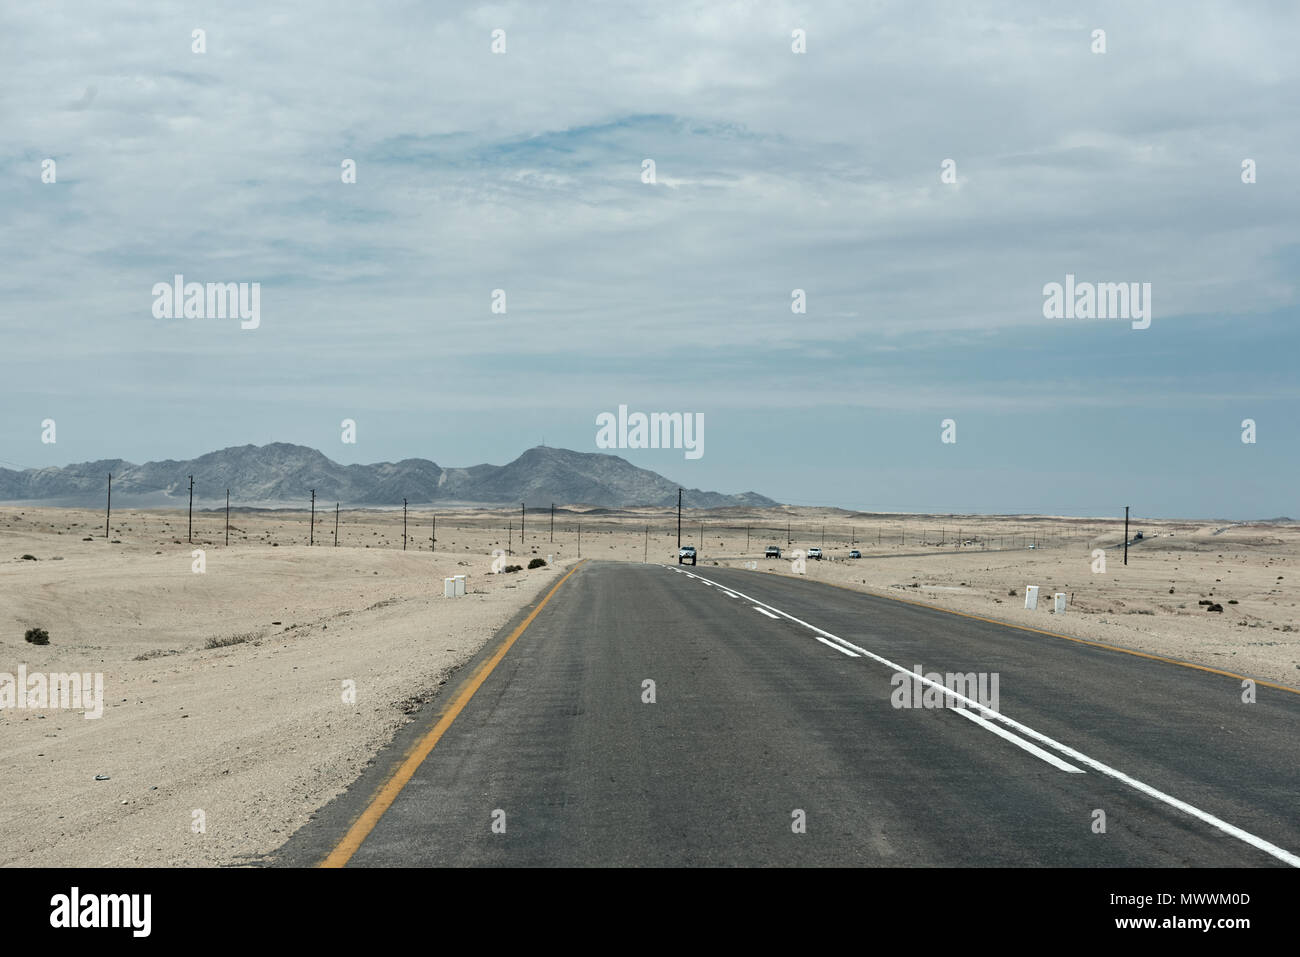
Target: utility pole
{"x":311,"y":534}
{"x":522,"y":512}
{"x":679,"y":520}
{"x":746,"y":539}
{"x":189,"y":536}
{"x":336,"y":524}
{"x":510,"y":533}
{"x":227,"y":516}
{"x":403,"y":524}
{"x":552,"y":521}
{"x":1125,"y":534}
{"x":109,"y":508}
{"x":580,"y":538}
{"x":433,"y":539}
{"x":701,"y":536}
{"x":823,"y":536}
{"x":646,"y":554}
{"x":788,"y":539}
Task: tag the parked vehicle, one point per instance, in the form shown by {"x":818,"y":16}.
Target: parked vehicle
{"x":815,"y":552}
{"x":772,"y":552}
{"x":855,"y":554}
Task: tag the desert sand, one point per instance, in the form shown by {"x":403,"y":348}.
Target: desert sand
{"x":224,"y":689}
{"x":254,"y":734}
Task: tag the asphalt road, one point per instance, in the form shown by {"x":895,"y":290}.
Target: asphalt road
{"x":773,"y":704}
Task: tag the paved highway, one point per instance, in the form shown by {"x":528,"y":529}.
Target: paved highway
{"x":774,"y":738}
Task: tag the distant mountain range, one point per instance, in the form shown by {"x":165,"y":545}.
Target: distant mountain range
{"x":282,"y":475}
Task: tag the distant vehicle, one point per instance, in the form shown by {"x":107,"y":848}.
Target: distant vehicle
{"x":815,"y":552}
{"x":1033,"y":546}
{"x":685,"y":552}
{"x":1137,"y":536}
{"x":772,"y":552}
{"x":855,"y":554}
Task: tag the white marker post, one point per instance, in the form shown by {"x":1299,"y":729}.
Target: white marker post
{"x":1060,"y":603}
{"x":1031,"y":597}
{"x":449,"y":588}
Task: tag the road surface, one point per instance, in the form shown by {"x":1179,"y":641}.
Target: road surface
{"x":773,"y":738}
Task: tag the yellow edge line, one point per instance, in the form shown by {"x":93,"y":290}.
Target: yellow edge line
{"x":1050,"y":634}
{"x":386,"y":795}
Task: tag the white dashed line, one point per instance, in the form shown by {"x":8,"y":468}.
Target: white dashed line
{"x":1019,"y":742}
{"x":1246,"y":837}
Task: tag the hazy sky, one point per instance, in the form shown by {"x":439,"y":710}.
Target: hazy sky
{"x":775,"y":171}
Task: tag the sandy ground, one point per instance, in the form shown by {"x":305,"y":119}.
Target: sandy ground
{"x":257,"y":736}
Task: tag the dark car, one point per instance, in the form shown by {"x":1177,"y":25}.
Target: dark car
{"x":772,"y":552}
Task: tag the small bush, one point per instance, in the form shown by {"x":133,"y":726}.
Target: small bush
{"x":156,"y":653}
{"x":29,"y":558}
{"x":230,"y":640}
{"x":514,"y":568}
{"x":37,"y":636}
{"x":537,"y":563}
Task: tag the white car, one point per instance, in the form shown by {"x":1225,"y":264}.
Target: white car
{"x":815,"y":552}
